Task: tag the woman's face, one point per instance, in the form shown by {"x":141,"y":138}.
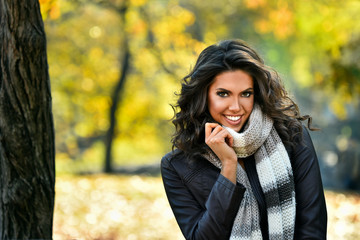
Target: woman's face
{"x":231,"y":98}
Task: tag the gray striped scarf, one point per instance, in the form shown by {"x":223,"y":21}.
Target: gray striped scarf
{"x":275,"y":175}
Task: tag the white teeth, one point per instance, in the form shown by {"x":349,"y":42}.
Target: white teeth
{"x":233,"y":118}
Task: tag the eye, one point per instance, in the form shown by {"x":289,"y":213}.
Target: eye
{"x":246,"y":94}
{"x":222,"y":94}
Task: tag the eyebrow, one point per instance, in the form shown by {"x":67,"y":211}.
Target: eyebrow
{"x":225,"y":90}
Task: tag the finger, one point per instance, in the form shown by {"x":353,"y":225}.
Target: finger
{"x":215,"y":132}
{"x":219,"y":138}
{"x":209,"y":128}
{"x":222,"y":136}
{"x":214,"y":136}
{"x":230,"y":140}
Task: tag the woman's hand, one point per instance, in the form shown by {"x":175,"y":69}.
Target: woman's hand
{"x":221,"y":141}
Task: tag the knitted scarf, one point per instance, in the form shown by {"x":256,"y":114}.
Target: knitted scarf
{"x":275,"y":175}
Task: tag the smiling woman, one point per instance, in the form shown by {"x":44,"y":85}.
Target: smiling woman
{"x":243,"y":166}
{"x":231,"y":98}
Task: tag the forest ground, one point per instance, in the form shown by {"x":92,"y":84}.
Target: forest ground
{"x":135,"y":207}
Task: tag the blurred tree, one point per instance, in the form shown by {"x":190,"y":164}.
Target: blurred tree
{"x":87,"y":55}
{"x":143,"y":29}
{"x":84,"y":64}
{"x":322,"y":38}
{"x":118,"y":90}
{"x":27,"y":151}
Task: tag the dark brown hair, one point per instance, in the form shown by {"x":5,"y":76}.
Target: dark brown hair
{"x":270,"y":95}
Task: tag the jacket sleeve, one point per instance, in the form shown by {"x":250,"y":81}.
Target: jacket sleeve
{"x":311,"y":215}
{"x":195,"y":222}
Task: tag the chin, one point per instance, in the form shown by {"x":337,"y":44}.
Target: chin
{"x":236,"y":129}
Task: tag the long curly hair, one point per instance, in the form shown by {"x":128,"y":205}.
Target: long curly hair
{"x":191,"y":110}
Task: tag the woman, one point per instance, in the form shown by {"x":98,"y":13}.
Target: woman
{"x":244,"y":167}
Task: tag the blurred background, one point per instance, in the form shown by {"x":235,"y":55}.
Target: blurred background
{"x":115,"y":65}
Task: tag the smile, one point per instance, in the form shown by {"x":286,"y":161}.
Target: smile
{"x":233,"y":118}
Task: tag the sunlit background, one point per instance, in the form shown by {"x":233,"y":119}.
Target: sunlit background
{"x":115,"y":65}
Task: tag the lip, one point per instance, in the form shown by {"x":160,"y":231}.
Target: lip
{"x":232,"y":122}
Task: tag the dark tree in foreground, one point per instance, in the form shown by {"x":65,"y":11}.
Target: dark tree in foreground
{"x":27,"y":165}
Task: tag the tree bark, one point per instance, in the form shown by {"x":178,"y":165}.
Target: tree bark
{"x":116,"y":97}
{"x":27,"y":153}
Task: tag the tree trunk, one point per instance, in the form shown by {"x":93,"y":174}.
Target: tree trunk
{"x":27,"y":154}
{"x":116,"y":99}
{"x":117,"y":95}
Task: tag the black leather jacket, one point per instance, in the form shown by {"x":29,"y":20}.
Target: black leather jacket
{"x":205,"y":203}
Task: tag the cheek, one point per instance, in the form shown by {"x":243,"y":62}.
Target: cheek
{"x":215,"y":106}
{"x":249,"y":104}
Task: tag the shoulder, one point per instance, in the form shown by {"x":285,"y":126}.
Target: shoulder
{"x":178,"y":157}
{"x":175,"y":161}
{"x":301,"y":139}
{"x":304,"y":141}
{"x":185,"y":167}
{"x":303,"y":156}
{"x":173,"y":156}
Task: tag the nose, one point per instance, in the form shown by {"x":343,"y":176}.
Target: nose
{"x":235,"y":105}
